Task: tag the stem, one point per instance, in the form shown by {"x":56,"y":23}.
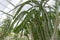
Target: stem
{"x":55,"y":34}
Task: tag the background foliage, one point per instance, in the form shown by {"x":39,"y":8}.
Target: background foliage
{"x":36,"y":23}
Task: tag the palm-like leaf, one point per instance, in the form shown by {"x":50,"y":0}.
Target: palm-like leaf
{"x":41,"y":24}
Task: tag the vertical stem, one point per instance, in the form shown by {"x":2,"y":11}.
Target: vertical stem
{"x":55,"y":34}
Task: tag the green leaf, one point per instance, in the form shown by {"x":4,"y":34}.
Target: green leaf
{"x":18,"y":28}
{"x":27,"y":2}
{"x":19,"y":17}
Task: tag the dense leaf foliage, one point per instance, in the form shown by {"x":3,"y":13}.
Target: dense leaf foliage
{"x":36,"y":23}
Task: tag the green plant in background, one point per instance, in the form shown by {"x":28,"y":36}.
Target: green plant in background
{"x":36,"y":23}
{"x":4,"y":28}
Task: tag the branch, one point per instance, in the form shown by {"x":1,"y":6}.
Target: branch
{"x":5,"y":13}
{"x":14,"y":8}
